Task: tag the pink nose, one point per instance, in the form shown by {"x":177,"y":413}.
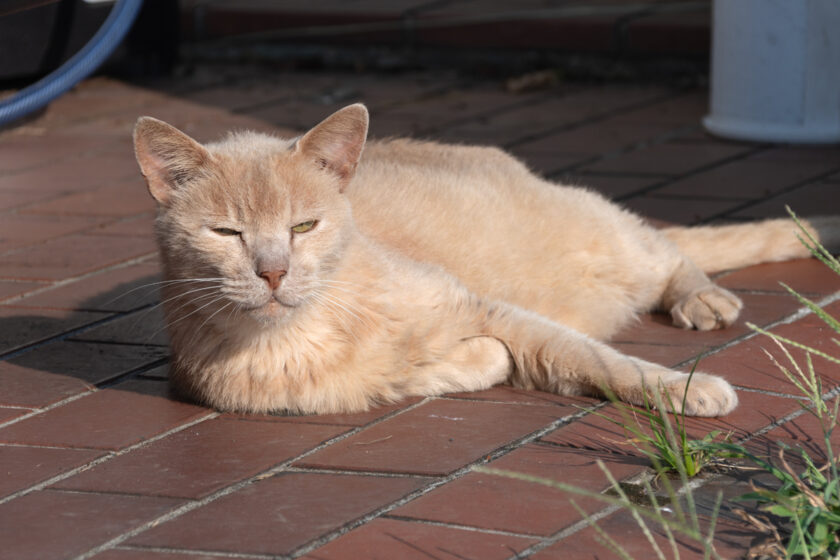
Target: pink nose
{"x":273,"y":277}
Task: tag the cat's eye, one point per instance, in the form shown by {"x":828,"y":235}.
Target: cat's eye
{"x":304,"y":226}
{"x":226,"y":231}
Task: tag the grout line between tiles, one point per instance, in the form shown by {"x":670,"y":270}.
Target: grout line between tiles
{"x":378,"y":474}
{"x":189,"y":506}
{"x":781,"y":192}
{"x":499,"y":452}
{"x":565,"y":532}
{"x":795,"y":316}
{"x":189,"y":552}
{"x":459,"y":526}
{"x":107,"y":457}
{"x":59,"y":283}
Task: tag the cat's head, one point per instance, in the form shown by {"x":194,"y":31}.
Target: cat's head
{"x":254,"y":223}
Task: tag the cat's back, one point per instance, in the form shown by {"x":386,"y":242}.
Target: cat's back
{"x":505,"y":232}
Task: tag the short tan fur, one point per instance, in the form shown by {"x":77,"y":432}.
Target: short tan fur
{"x":321,"y":274}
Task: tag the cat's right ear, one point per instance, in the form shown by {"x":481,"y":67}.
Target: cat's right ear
{"x":336,"y":144}
{"x":167,"y":157}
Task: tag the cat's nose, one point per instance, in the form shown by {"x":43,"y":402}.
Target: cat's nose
{"x":273,"y":277}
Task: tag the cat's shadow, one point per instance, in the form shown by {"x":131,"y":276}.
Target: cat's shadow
{"x":116,"y":339}
{"x":105,"y":339}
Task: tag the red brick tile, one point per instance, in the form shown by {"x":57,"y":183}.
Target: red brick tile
{"x":671,"y":33}
{"x":672,"y":159}
{"x":666,"y":354}
{"x":72,"y":174}
{"x":20,"y":326}
{"x":806,"y":276}
{"x":93,"y":98}
{"x":387,"y":539}
{"x":746,"y":179}
{"x":686,"y":211}
{"x":20,"y":151}
{"x":60,"y":369}
{"x":746,"y":364}
{"x":23,"y":467}
{"x":126,"y":198}
{"x":49,"y":524}
{"x":115,"y":290}
{"x":279,"y":514}
{"x":178,"y":465}
{"x":596,"y":138}
{"x":12,"y":289}
{"x":435,"y":438}
{"x":11,"y":199}
{"x":815,"y":199}
{"x":107,"y":419}
{"x":508,"y":125}
{"x":595,"y":432}
{"x":512,"y":395}
{"x":141,"y":327}
{"x":681,"y":110}
{"x":541,"y":163}
{"x":611,"y":186}
{"x":796,"y":154}
{"x":24,"y":386}
{"x":732,"y":538}
{"x":21,"y":230}
{"x":352,"y":419}
{"x":759,"y":309}
{"x":142,"y":225}
{"x":502,"y":503}
{"x":804,"y":432}
{"x":589,"y":33}
{"x":8,"y":413}
{"x":72,"y":255}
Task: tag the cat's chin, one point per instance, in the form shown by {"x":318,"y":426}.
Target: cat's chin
{"x":273,"y":311}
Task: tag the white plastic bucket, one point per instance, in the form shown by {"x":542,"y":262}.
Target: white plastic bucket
{"x":776,"y":70}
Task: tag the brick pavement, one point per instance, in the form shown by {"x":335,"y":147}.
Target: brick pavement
{"x":98,"y":461}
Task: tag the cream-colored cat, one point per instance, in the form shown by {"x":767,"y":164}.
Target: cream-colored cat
{"x":303,"y":276}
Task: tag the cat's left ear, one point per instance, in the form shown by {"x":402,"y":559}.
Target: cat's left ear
{"x":336,"y":143}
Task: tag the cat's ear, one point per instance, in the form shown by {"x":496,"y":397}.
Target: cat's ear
{"x":336,"y":143}
{"x":167,"y":157}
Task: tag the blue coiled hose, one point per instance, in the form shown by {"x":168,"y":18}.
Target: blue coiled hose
{"x":80,"y":66}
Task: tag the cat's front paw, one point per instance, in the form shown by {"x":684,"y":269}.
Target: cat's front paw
{"x":708,"y":395}
{"x":707,"y":308}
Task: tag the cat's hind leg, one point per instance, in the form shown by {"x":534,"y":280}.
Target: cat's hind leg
{"x":695,"y":302}
{"x":472,"y":364}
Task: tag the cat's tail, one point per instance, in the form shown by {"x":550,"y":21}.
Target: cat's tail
{"x":716,"y":248}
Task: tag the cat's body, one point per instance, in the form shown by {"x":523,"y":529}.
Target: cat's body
{"x":301,"y":279}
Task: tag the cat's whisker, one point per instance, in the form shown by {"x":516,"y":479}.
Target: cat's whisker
{"x":196,"y":299}
{"x":159,"y":284}
{"x":347,"y":328}
{"x":191,"y":313}
{"x":356,"y":311}
{"x":198,"y":330}
{"x":145,"y":313}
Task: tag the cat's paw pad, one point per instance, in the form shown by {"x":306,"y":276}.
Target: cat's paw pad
{"x":707,"y":308}
{"x":708,"y":395}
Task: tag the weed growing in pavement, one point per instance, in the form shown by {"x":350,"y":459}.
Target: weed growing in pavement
{"x":807,"y":504}
{"x":667,"y":445}
{"x":674,"y":519}
{"x":804,"y":510}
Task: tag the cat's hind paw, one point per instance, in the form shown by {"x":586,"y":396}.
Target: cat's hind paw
{"x":706,"y":308}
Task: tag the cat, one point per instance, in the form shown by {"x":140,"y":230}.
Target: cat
{"x":302,"y":276}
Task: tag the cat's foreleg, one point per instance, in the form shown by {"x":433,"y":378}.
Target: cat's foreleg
{"x":550,"y":357}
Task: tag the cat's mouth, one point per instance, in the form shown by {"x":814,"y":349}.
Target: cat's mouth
{"x":273,"y":308}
